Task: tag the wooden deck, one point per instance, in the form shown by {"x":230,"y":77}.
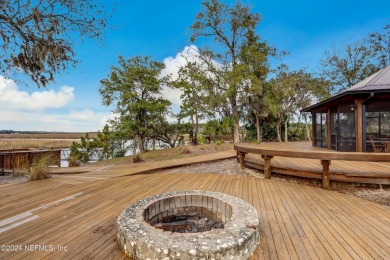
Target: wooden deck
{"x":303,"y":160}
{"x":297,"y":221}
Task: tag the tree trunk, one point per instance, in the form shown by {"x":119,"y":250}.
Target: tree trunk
{"x":236,"y":124}
{"x":286,"y":131}
{"x":298,"y":124}
{"x":196,"y":128}
{"x":261,"y":134}
{"x":141,"y":144}
{"x":259,"y":130}
{"x":278,"y":129}
{"x":307,"y":129}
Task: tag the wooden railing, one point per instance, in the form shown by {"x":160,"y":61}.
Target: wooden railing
{"x":325,"y":156}
{"x":12,"y":159}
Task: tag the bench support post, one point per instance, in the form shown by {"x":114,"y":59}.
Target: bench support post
{"x":325,"y":174}
{"x":267,"y":166}
{"x":241,"y":158}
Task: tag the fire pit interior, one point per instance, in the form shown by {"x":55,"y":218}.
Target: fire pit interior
{"x":173,"y":214}
{"x":189,"y":225}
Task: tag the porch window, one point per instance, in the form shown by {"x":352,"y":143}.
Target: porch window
{"x":321,"y":135}
{"x":378,"y":131}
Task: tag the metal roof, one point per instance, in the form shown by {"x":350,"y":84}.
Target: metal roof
{"x":377,"y":82}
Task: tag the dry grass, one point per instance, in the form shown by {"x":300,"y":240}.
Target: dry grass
{"x":20,"y":168}
{"x":184,"y":150}
{"x":14,"y":143}
{"x":40,"y":168}
{"x":47,"y":136}
{"x":48,"y":141}
{"x":73,"y":162}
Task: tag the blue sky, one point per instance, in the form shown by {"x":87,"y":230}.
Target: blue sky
{"x":161,"y":29}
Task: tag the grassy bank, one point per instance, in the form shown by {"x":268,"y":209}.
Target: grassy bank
{"x":172,"y":153}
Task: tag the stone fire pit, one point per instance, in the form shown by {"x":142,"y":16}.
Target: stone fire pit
{"x":189,"y":225}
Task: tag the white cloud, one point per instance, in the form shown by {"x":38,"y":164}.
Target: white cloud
{"x":74,"y":121}
{"x":50,"y":110}
{"x":172,"y":67}
{"x":12,"y":96}
{"x":108,"y":117}
{"x":45,"y":110}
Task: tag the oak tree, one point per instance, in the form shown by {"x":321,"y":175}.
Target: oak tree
{"x":229,"y":27}
{"x":134,"y":90}
{"x":37,"y":36}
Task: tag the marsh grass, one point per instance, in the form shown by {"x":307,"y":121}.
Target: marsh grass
{"x":14,"y":143}
{"x":40,"y":168}
{"x":20,"y":166}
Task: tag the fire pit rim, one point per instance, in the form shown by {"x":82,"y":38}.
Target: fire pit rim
{"x":148,"y":225}
{"x":243,"y":227}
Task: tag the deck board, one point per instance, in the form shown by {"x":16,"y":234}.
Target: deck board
{"x":297,"y":221}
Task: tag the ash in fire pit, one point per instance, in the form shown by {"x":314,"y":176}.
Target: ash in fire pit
{"x":189,"y":225}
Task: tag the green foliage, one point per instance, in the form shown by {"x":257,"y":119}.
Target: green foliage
{"x":192,"y":82}
{"x":347,"y":68}
{"x":290,"y":92}
{"x":36,"y":36}
{"x":80,"y":153}
{"x":268,"y":128}
{"x":134,"y":89}
{"x":218,"y":128}
{"x":106,"y":145}
{"x":379,"y":43}
{"x":243,"y":57}
{"x":170,"y":133}
{"x":202,"y":140}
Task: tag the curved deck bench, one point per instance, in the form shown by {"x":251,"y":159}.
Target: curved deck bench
{"x":300,"y":150}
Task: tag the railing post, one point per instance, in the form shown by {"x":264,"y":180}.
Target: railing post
{"x":241,"y":157}
{"x":267,"y":166}
{"x":325,"y":174}
{"x":59,"y":157}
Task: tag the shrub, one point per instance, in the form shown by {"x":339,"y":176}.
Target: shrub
{"x":72,"y":161}
{"x":184,"y":150}
{"x":40,"y":168}
{"x":137,"y":158}
{"x":218,"y":142}
{"x":202,"y":140}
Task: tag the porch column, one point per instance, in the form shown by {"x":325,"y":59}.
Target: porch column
{"x":313,"y":128}
{"x":241,"y":158}
{"x":329,"y":129}
{"x":359,"y":124}
{"x":325,"y":174}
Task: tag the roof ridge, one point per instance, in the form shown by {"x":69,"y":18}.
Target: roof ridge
{"x":375,"y":77}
